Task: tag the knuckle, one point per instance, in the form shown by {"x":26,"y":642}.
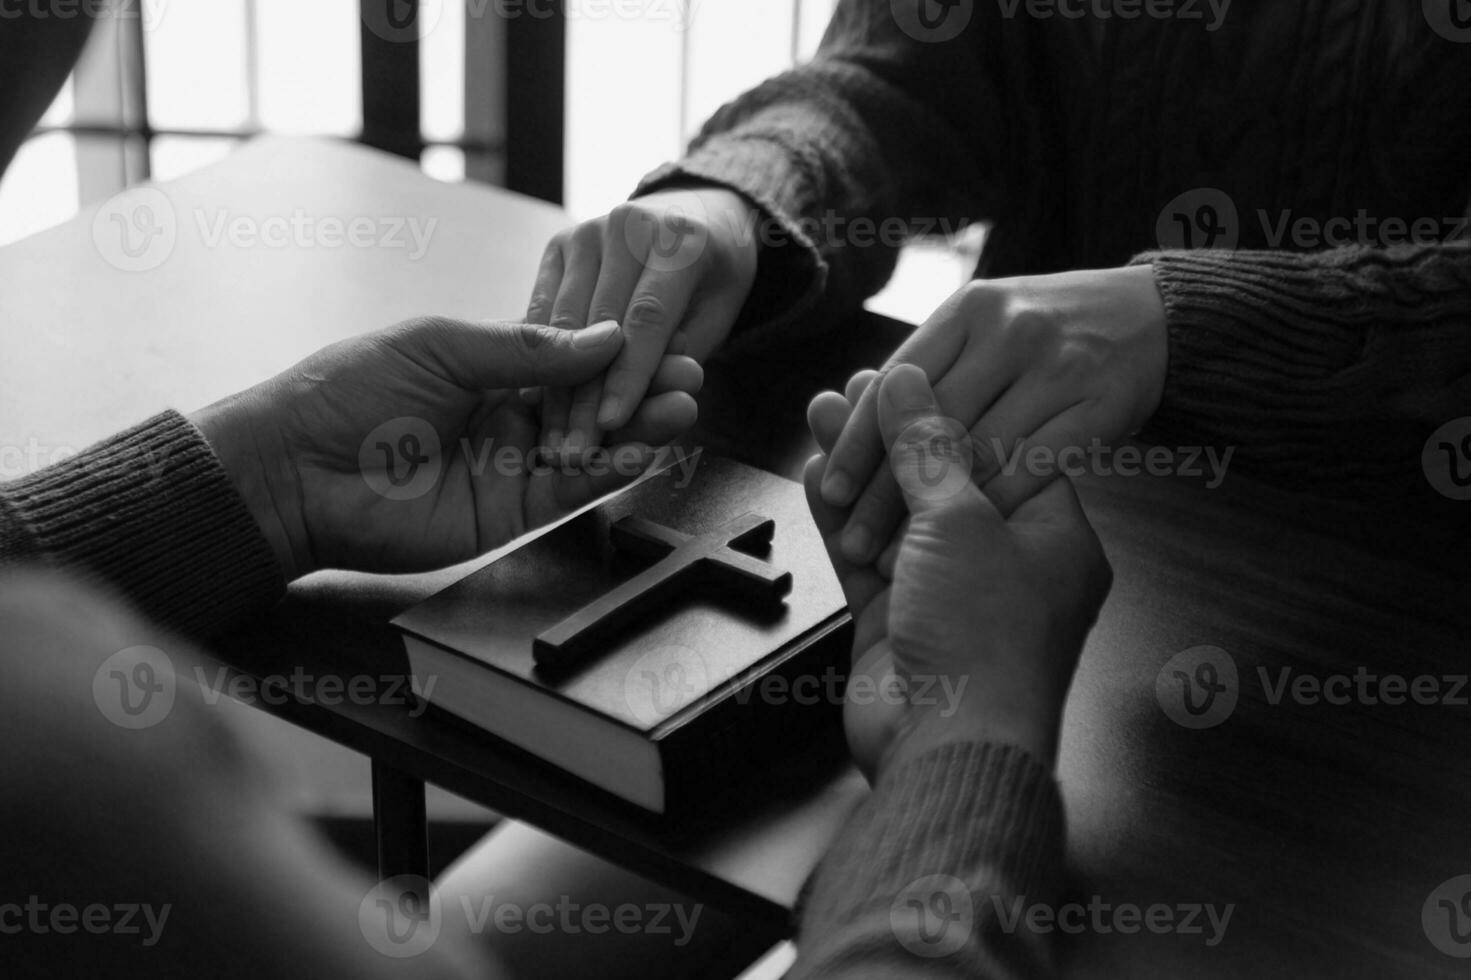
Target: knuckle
{"x":1077,"y":359}
{"x":587,"y":236}
{"x":646,"y":314}
{"x":565,"y":320}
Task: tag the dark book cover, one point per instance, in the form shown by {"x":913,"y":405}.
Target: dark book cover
{"x":719,"y":684}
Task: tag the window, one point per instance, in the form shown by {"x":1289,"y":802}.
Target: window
{"x":167,"y":86}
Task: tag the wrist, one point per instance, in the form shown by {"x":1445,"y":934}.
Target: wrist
{"x":1147,"y":308}
{"x":256,"y":463}
{"x":989,"y":717}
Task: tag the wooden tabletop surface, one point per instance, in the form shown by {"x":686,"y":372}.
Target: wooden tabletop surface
{"x":1325,"y":826}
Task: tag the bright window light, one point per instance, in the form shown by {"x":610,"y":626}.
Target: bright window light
{"x":40,"y":188}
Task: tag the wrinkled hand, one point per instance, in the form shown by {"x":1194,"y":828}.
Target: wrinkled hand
{"x":973,"y":624}
{"x":1042,"y":363}
{"x":673,"y":268}
{"x":409,"y":449}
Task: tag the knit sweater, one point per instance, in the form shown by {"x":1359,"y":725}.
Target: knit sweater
{"x":152,"y":514}
{"x":1271,"y":133}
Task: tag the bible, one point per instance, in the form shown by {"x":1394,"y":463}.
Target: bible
{"x":668,"y":645}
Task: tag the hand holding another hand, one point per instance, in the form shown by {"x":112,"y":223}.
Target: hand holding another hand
{"x":673,"y":268}
{"x":409,"y":449}
{"x":1044,"y":363}
{"x":978,"y":618}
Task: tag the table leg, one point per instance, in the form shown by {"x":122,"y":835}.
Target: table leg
{"x":399,"y":823}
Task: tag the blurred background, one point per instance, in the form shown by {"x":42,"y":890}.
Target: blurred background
{"x":571,"y":101}
{"x":168,"y":86}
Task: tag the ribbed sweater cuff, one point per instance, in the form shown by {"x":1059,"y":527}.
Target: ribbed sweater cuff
{"x":1314,"y":366}
{"x":985,"y":818}
{"x":152,"y":513}
{"x":792,"y":273}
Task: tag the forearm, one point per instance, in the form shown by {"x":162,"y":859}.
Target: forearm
{"x":1326,"y":371}
{"x":930,"y":875}
{"x":879,"y":136}
{"x":152,"y":514}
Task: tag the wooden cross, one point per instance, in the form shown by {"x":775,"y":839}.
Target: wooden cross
{"x":720,"y":560}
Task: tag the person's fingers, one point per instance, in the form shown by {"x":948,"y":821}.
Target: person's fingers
{"x":543,"y":296}
{"x":873,"y":517}
{"x":860,"y":585}
{"x":582,"y":418}
{"x":678,"y":373}
{"x":655,"y":310}
{"x":548,"y":282}
{"x":617,"y":277}
{"x":1059,"y":441}
{"x":929,"y":457}
{"x":494,"y":356}
{"x":556,"y":405}
{"x":826,"y":416}
{"x":659,"y":419}
{"x":889,"y":557}
{"x":858,"y":384}
{"x":581,"y":259}
{"x":934,"y":347}
{"x":582,"y":264}
{"x":879,"y":509}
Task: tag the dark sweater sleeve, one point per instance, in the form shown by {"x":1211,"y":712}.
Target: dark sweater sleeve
{"x":152,"y":514}
{"x":880,"y":135}
{"x":935,"y":872}
{"x":1326,"y":371}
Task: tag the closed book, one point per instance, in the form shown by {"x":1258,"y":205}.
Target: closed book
{"x":722,"y":672}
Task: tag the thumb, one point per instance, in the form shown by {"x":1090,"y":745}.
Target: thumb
{"x":480,"y":356}
{"x":931,"y":456}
